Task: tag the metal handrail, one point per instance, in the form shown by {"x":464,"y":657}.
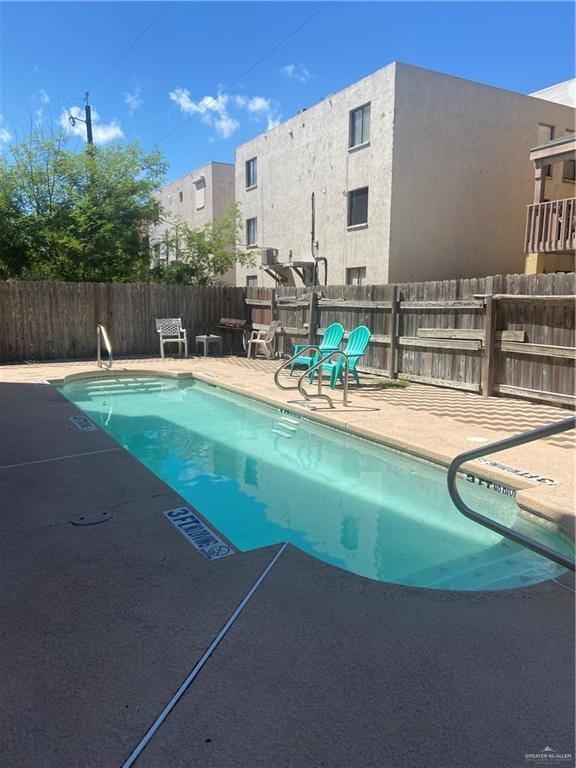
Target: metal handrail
{"x":319,"y":364}
{"x":286,"y":363}
{"x":102,"y":335}
{"x":501,"y":445}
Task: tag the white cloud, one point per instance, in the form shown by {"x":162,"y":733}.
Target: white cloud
{"x":212,"y":110}
{"x":261,"y":108}
{"x":216,"y":110}
{"x":103,"y":133}
{"x":134,"y":100}
{"x":298,"y":72}
{"x":5,"y":134}
{"x":259,"y":104}
{"x":43,"y":96}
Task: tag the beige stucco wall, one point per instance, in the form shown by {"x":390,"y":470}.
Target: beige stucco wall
{"x":462,"y":177}
{"x":309,"y":153}
{"x":218,"y":196}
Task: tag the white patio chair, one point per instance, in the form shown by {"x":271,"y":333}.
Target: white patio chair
{"x":263,"y":340}
{"x":171,"y":332}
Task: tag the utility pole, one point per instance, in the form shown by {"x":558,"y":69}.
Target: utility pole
{"x":88,"y":112}
{"x":88,"y":121}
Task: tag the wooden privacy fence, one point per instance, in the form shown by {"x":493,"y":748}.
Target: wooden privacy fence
{"x":45,"y":320}
{"x":511,"y":334}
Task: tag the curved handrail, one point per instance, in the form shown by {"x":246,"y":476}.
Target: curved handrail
{"x":317,"y":365}
{"x":509,"y":442}
{"x":286,"y":363}
{"x":102,"y":335}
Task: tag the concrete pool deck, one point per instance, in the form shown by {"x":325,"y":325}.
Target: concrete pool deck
{"x":323,"y":668}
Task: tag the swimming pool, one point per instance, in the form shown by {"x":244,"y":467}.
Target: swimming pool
{"x":262,"y":476}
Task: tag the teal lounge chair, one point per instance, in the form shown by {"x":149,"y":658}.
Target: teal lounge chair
{"x":330,"y":343}
{"x":355,"y":348}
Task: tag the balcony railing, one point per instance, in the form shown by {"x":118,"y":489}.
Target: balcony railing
{"x":551,"y":227}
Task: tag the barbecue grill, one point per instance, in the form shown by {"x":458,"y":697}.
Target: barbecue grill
{"x":232,"y":327}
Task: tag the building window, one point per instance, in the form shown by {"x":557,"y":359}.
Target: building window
{"x":200,"y":187}
{"x":181,"y":196}
{"x":569,"y":170}
{"x":251,"y":281}
{"x":356,"y":276}
{"x":251,"y":231}
{"x":359,"y":126}
{"x":569,"y":167}
{"x":251,"y":173}
{"x":358,"y":207}
{"x":545,"y":134}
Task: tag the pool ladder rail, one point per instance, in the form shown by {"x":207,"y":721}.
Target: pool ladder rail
{"x":316,"y":367}
{"x":501,"y":445}
{"x":102,"y":336}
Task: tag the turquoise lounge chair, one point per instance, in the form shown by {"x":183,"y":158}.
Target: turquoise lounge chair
{"x":355,"y":348}
{"x":331,"y":341}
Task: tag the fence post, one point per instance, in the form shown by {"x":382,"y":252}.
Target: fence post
{"x":392,"y":360}
{"x":489,"y":339}
{"x":278,"y":338}
{"x":313,"y":318}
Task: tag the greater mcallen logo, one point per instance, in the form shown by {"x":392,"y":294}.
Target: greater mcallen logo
{"x":547,"y":755}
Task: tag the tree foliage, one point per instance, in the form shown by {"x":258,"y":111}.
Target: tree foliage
{"x":204,"y":255}
{"x":77,"y":216}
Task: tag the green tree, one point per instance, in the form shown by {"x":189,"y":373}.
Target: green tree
{"x":77,"y":216}
{"x":205,"y":254}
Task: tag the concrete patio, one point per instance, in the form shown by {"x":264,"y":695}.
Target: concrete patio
{"x":101,"y":623}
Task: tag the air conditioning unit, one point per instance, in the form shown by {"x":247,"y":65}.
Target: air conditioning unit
{"x":269,"y":256}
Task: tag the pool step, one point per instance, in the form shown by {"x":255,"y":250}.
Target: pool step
{"x":503,"y":567}
{"x":286,"y":427}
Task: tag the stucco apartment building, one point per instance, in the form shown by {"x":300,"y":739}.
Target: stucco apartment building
{"x":405,"y":175}
{"x":197,"y":199}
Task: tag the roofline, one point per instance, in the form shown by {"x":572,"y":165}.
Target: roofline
{"x":195,"y":170}
{"x":401,"y":64}
{"x":551,"y":87}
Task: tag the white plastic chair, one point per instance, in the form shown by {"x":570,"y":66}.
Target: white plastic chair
{"x":171,"y":332}
{"x":263,"y":340}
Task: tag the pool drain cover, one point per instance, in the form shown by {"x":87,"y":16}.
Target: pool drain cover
{"x":90,"y":518}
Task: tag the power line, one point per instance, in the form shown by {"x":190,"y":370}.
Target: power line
{"x":130,"y":47}
{"x":253,"y":66}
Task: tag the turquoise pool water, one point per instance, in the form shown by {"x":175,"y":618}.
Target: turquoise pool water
{"x":262,"y":476}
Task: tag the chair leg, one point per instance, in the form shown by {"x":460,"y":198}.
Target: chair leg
{"x":161,"y":349}
{"x":186,"y":348}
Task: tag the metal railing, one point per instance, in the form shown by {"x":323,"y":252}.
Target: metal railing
{"x":300,"y":383}
{"x":101,"y":335}
{"x":503,"y":530}
{"x":318,"y":366}
{"x":286,"y":363}
{"x":551,"y":227}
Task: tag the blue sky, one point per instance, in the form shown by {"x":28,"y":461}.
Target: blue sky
{"x":51,"y":53}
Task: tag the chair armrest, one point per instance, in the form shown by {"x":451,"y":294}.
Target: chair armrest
{"x":298,"y":347}
{"x":183,"y":333}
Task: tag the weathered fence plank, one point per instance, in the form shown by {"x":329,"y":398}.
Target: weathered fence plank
{"x":47,"y":320}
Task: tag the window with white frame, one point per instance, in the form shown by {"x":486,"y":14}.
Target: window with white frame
{"x":545,"y":134}
{"x":251,"y":173}
{"x":200,"y":187}
{"x":358,"y":207}
{"x":359,"y":126}
{"x":251,"y":281}
{"x":356,"y":276}
{"x":251,"y":231}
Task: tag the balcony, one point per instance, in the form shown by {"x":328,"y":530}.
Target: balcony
{"x":551,"y":227}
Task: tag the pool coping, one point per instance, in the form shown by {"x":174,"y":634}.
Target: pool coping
{"x":523,"y":487}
